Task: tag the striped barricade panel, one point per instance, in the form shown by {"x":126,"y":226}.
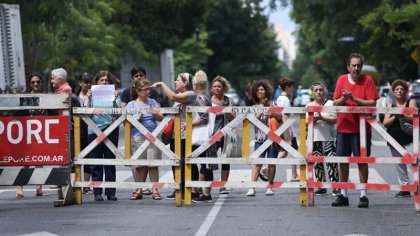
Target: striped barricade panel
{"x":152,"y":138}
{"x":32,"y":176}
{"x":365,"y":113}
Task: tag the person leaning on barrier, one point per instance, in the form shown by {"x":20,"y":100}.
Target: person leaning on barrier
{"x":149,"y":121}
{"x":138,"y":73}
{"x":183,"y":96}
{"x":103,"y":121}
{"x":353,"y":89}
{"x":220,"y":86}
{"x":323,"y":141}
{"x":36,"y":85}
{"x":262,"y":92}
{"x":391,"y":122}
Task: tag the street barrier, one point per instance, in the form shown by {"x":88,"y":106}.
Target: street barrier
{"x":366,"y":116}
{"x":246,"y":116}
{"x":125,"y":116}
{"x":38,"y":140}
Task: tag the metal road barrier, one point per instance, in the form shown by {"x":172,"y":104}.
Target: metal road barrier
{"x":124,"y":115}
{"x":246,"y":116}
{"x":38,"y":140}
{"x":365,"y":114}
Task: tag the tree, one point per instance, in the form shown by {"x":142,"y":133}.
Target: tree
{"x":192,"y":54}
{"x":383,"y":30}
{"x":242,"y":41}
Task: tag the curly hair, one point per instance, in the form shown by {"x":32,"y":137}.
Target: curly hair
{"x":112,"y":79}
{"x":267,"y":87}
{"x":225,"y":83}
{"x":399,"y":82}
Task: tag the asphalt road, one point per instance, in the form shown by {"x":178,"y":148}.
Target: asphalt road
{"x":233,"y":214}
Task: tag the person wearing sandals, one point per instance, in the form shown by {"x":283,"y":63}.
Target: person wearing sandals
{"x":103,"y":121}
{"x":323,"y":141}
{"x":183,"y":96}
{"x":262,"y":92}
{"x":392,"y":123}
{"x":149,"y":121}
{"x":138,"y":72}
{"x":35,"y":86}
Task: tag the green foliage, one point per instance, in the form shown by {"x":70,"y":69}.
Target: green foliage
{"x":192,"y":54}
{"x":384,"y":31}
{"x":242,"y":41}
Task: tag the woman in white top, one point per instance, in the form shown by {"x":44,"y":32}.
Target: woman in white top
{"x":323,"y":140}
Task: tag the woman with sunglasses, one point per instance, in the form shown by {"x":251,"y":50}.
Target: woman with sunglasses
{"x":183,"y":96}
{"x":149,"y":121}
{"x":35,"y":86}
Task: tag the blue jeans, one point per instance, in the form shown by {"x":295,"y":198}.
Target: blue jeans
{"x":102,"y":151}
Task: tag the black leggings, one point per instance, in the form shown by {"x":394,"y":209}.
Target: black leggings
{"x":194,"y":168}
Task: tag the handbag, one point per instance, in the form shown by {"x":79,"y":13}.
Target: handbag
{"x":273,"y":124}
{"x":406,"y":126}
{"x":202,"y":133}
{"x":231,"y":146}
{"x":168,"y":132}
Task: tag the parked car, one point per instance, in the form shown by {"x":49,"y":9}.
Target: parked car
{"x":414,"y":92}
{"x":234,"y":96}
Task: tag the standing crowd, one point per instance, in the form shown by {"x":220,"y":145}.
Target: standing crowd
{"x":352,"y":89}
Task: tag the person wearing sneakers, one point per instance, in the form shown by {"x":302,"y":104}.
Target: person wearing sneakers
{"x":392,"y":124}
{"x":353,"y":89}
{"x":262,"y":91}
{"x":220,"y":86}
{"x":323,"y":141}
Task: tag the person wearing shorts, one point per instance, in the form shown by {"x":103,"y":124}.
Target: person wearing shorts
{"x":149,"y":121}
{"x":353,"y":89}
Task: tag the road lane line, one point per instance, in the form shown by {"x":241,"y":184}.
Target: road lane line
{"x":204,"y":228}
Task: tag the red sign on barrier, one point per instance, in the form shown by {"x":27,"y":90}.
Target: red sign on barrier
{"x":34,"y":141}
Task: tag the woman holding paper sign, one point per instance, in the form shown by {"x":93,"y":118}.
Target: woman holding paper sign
{"x":103,"y":96}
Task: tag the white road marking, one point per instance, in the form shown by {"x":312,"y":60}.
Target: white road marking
{"x":204,"y":228}
{"x":42,"y":233}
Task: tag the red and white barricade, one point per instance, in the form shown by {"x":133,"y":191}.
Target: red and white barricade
{"x":246,"y":116}
{"x":124,"y":115}
{"x":365,"y":114}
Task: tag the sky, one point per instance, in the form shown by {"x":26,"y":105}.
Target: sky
{"x":281,"y":16}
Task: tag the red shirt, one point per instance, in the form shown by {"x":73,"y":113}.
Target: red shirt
{"x":65,"y":88}
{"x":364,"y":89}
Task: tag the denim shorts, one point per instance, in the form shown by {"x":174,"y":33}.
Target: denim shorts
{"x":349,"y":143}
{"x":269,"y":151}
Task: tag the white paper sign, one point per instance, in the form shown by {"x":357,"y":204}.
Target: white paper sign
{"x":103,"y":92}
